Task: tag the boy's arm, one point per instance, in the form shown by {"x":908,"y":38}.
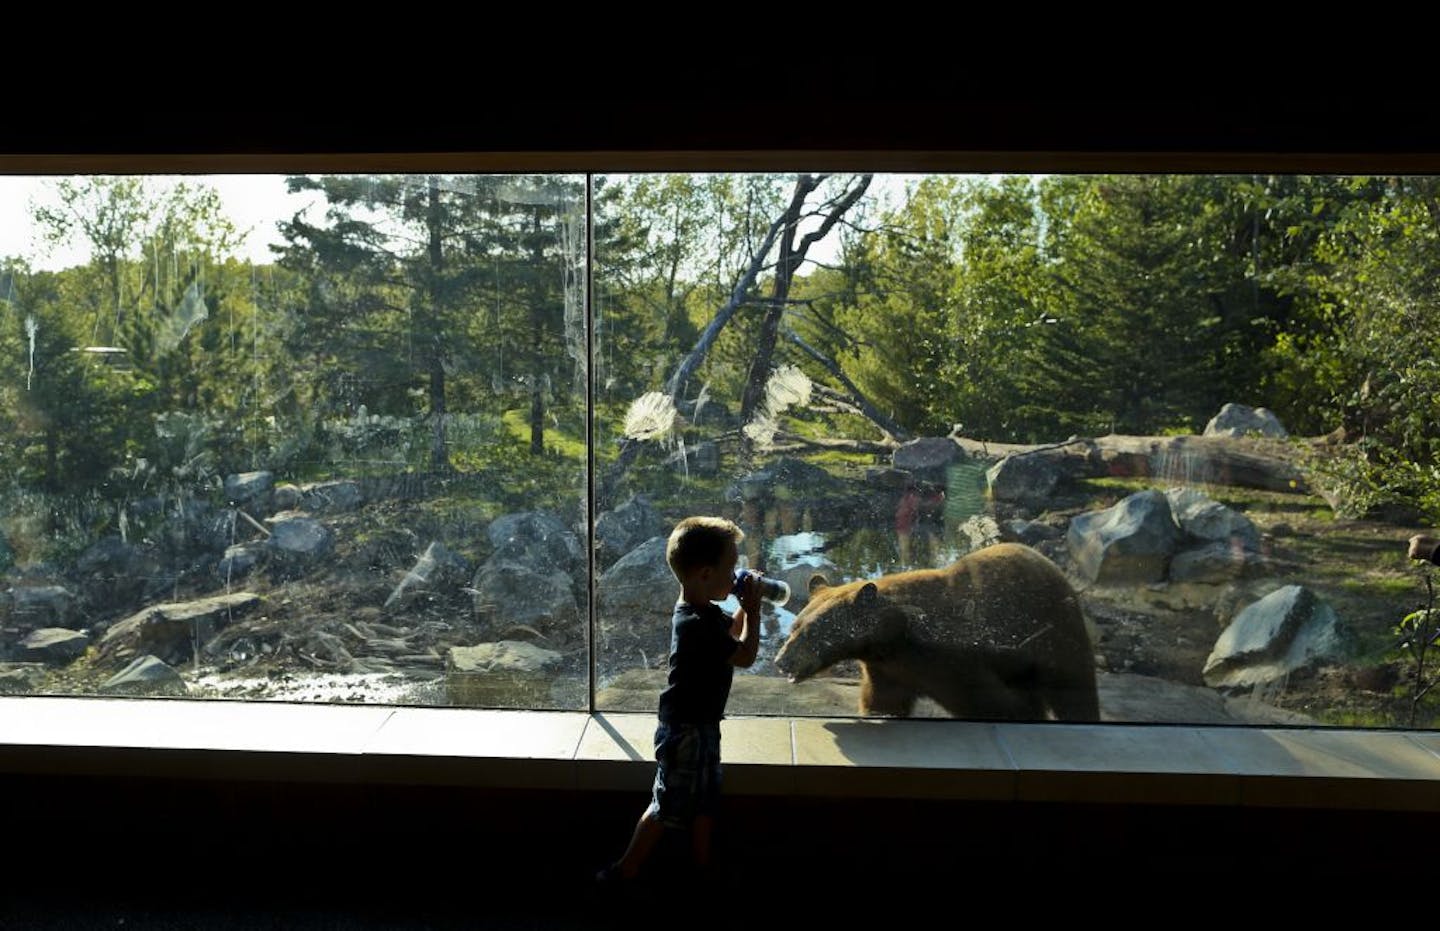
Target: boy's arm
{"x":748,"y":620}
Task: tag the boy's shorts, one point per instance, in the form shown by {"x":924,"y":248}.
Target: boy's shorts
{"x":687,"y":780}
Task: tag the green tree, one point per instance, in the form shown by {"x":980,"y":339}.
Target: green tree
{"x":415,"y":285}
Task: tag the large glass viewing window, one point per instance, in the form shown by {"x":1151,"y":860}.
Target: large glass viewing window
{"x":1117,"y":447}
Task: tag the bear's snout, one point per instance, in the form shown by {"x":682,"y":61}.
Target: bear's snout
{"x":789,"y":663}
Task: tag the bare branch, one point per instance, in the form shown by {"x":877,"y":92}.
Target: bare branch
{"x":892,"y":430}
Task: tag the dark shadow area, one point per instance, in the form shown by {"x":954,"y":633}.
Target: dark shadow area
{"x":89,"y":852}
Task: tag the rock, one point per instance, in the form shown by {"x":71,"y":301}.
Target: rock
{"x":147,"y":675}
{"x":293,"y":537}
{"x":506,"y":674}
{"x":1210,"y":521}
{"x":331,"y":497}
{"x":239,"y":560}
{"x":928,"y":456}
{"x":171,"y":630}
{"x":205,"y":528}
{"x":1241,"y":420}
{"x":286,"y":497}
{"x":36,"y":606}
{"x":386,"y":548}
{"x":1214,"y":562}
{"x":116,"y":576}
{"x":1027,"y":479}
{"x":1131,"y":542}
{"x":508,"y":594}
{"x":54,"y":645}
{"x":20,"y":677}
{"x":539,"y":541}
{"x":246,"y":487}
{"x":619,"y":531}
{"x":888,"y":479}
{"x":437,"y":568}
{"x":1029,"y":532}
{"x":635,"y":599}
{"x":1291,"y":628}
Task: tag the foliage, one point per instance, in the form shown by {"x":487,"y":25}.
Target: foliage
{"x":1418,"y":633}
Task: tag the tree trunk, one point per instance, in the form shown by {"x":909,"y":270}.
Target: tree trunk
{"x":862,"y":404}
{"x":791,"y":257}
{"x":440,"y":447}
{"x":537,"y":343}
{"x":52,"y":459}
{"x":675,"y":387}
{"x":770,"y":325}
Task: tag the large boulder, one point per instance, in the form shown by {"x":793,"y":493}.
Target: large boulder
{"x":1131,"y":542}
{"x":35,"y":606}
{"x":244,"y":489}
{"x":928,"y":456}
{"x":171,"y":631}
{"x":1242,"y":420}
{"x":286,"y":497}
{"x":539,"y":541}
{"x":239,"y":560}
{"x":634,"y":601}
{"x":296,"y":539}
{"x":116,"y":576}
{"x":1027,"y":479}
{"x":188,"y":524}
{"x":619,"y":531}
{"x":331,"y":497}
{"x":1209,"y":521}
{"x":147,"y":675}
{"x":504,"y":674}
{"x":509,"y":595}
{"x":52,"y":645}
{"x":1214,"y":563}
{"x":1289,"y":629}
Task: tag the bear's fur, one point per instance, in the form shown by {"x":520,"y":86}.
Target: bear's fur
{"x":999,"y":634}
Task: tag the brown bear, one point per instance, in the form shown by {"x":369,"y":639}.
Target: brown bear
{"x":998,"y":634}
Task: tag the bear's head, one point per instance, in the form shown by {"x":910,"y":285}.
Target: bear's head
{"x":851,"y":621}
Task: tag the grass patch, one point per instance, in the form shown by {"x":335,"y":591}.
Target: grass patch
{"x":1254,"y":501}
{"x":557,"y":439}
{"x":1379,"y":586}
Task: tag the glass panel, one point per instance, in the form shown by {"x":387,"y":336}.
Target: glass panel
{"x":305,"y":438}
{"x":1203,"y":405}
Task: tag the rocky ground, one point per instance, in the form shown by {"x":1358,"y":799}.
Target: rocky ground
{"x":363,"y":619}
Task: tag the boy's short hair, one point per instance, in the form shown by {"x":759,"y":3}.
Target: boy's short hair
{"x":700,"y":541}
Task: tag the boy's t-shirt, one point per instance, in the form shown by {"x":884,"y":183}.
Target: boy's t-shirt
{"x":700,"y":667}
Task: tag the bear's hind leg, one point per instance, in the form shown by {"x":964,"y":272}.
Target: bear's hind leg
{"x":1073,"y":698}
{"x":883,"y":694}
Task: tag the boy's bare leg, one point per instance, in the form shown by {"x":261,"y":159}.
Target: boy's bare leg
{"x":700,"y":834}
{"x":648,"y":832}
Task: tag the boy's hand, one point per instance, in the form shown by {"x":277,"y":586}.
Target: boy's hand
{"x":750,"y":595}
{"x":1422,"y":546}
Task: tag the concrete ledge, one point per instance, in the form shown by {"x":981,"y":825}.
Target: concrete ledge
{"x":765,"y":756}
